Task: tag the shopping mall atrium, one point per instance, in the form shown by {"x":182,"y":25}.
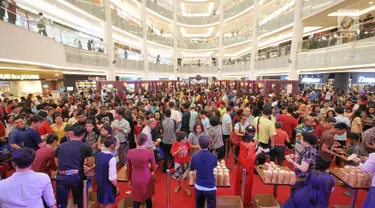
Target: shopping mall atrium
{"x":56,"y":46}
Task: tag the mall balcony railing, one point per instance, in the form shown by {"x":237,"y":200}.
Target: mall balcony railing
{"x":94,"y":7}
{"x":77,"y":48}
{"x":198,"y":69}
{"x":338,"y":49}
{"x":236,"y":7}
{"x":275,"y":20}
{"x":129,"y":64}
{"x":238,"y":35}
{"x":152,"y":36}
{"x":197,"y":20}
{"x":311,"y":7}
{"x":154,"y":67}
{"x":236,"y":66}
{"x":191,"y":44}
{"x":159,"y":7}
{"x":121,"y":22}
{"x":273,"y":58}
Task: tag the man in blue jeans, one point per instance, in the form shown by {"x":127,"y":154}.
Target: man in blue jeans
{"x":204,"y":163}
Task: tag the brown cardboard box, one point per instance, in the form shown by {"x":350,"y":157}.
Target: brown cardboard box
{"x":265,"y":201}
{"x":228,"y":202}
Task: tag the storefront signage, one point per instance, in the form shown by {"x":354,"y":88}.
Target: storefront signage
{"x":313,"y":79}
{"x":310,"y":80}
{"x":19,"y":76}
{"x":366,"y":80}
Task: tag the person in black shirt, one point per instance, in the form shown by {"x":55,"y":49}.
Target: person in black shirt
{"x":70,"y":159}
{"x":185,"y":121}
{"x":104,"y":117}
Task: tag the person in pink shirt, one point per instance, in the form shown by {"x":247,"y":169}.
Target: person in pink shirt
{"x":279,"y":148}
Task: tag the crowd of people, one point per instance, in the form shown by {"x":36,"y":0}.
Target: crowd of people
{"x":183,"y":129}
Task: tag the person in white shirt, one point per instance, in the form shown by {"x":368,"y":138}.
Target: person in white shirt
{"x":25,"y":188}
{"x":121,"y":128}
{"x":176,"y":115}
{"x":340,"y":118}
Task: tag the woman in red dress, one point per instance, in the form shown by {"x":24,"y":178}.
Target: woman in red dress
{"x":140,"y":177}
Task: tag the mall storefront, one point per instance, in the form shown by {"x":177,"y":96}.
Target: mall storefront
{"x":21,"y":83}
{"x":84,"y":82}
{"x":362,"y":81}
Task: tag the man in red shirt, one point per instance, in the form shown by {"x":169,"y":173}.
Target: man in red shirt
{"x":45,"y":128}
{"x":181,"y":152}
{"x":44,"y":157}
{"x":289,"y":123}
{"x":327,"y":125}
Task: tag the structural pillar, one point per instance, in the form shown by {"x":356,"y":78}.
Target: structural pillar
{"x":254,"y":39}
{"x":144,"y":40}
{"x":108,"y":41}
{"x":296,"y":40}
{"x":341,"y":81}
{"x":175,"y":38}
{"x":221,"y":39}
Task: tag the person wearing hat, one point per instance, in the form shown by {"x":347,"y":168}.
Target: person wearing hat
{"x":26,"y":188}
{"x":204,"y":163}
{"x":181,"y":152}
{"x":70,"y":159}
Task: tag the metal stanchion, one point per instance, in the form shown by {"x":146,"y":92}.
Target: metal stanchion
{"x":85,"y":200}
{"x":243,"y":184}
{"x":226,"y":148}
{"x":168,"y":188}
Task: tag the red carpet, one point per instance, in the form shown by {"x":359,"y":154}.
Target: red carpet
{"x":181,"y":200}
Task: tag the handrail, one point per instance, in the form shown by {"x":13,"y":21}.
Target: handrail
{"x":32,"y":25}
{"x":168,"y":187}
{"x":360,"y":31}
{"x":271,"y":53}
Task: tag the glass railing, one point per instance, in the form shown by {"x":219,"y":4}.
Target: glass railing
{"x":77,"y":47}
{"x":160,"y":7}
{"x":311,"y":7}
{"x":329,"y":39}
{"x":197,"y":20}
{"x":133,"y":27}
{"x":236,"y":7}
{"x":271,"y":22}
{"x":129,"y":64}
{"x":78,"y":56}
{"x":198,"y":69}
{"x":193,"y":44}
{"x":160,"y":67}
{"x":349,"y":52}
{"x":168,"y":41}
{"x":237,"y":66}
{"x":238,"y":35}
{"x":94,"y":7}
{"x":273,"y":58}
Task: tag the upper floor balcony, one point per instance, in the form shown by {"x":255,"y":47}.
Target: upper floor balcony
{"x":238,"y":35}
{"x":273,"y":58}
{"x":277,"y":19}
{"x":311,"y":7}
{"x":94,"y":7}
{"x":339,"y":49}
{"x":198,"y":44}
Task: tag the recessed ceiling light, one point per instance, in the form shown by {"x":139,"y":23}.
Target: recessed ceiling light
{"x":371,"y":2}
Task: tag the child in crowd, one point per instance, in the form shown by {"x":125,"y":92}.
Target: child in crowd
{"x":138,"y":127}
{"x":355,"y":147}
{"x":280,"y":139}
{"x":181,"y":152}
{"x":106,"y":173}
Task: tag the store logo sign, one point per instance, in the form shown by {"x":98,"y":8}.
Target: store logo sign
{"x":367,"y":80}
{"x":310,"y":80}
{"x":18,"y":76}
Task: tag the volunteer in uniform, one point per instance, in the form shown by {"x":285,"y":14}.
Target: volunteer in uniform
{"x":70,"y":159}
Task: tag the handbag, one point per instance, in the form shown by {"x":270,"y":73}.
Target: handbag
{"x":234,"y":138}
{"x":159,"y":155}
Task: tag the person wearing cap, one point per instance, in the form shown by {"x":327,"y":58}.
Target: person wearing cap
{"x":181,"y":152}
{"x":70,"y":158}
{"x":26,"y":188}
{"x":204,"y":163}
{"x":106,"y":173}
{"x":307,"y":159}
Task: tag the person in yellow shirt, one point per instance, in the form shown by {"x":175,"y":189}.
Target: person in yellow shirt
{"x":58,"y":127}
{"x":222,"y":109}
{"x":265,"y":132}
